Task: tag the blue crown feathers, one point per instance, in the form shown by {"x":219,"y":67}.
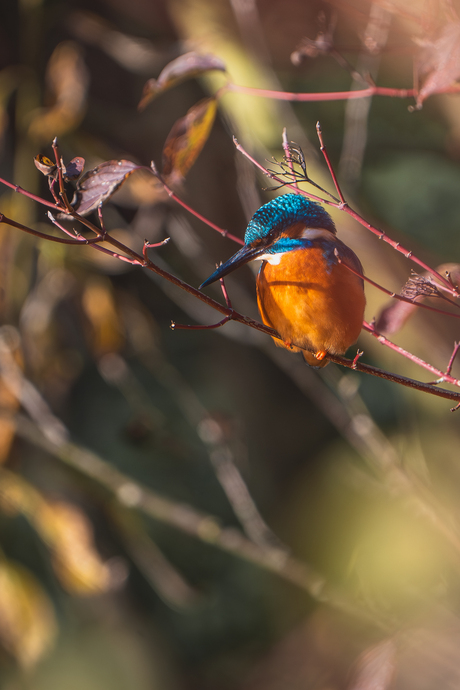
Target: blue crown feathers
{"x":284,"y":211}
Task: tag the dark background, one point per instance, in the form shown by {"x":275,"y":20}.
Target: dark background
{"x":357,"y":477}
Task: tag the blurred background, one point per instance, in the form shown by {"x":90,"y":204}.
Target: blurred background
{"x":196,"y":508}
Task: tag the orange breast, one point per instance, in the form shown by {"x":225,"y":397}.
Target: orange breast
{"x":311,"y":302}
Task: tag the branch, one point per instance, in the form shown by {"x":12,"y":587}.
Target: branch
{"x":328,"y":95}
{"x":79,"y":239}
{"x":324,"y":96}
{"x":343,"y":206}
{"x":188,"y":208}
{"x":183,"y":517}
{"x":232,"y":315}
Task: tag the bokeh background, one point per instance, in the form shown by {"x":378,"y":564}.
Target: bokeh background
{"x":134,"y":457}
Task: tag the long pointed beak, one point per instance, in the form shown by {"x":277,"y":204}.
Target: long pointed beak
{"x":245,"y":254}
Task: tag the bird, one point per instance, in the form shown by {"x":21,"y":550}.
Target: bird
{"x":305,"y":290}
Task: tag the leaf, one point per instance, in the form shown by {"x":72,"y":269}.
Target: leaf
{"x":65,"y":530}
{"x":27,"y":621}
{"x":45,"y":165}
{"x":74,"y":169}
{"x":375,"y":668}
{"x":97,"y":185}
{"x":106,"y":333}
{"x":67,"y":84}
{"x":184,"y":67}
{"x":69,"y":534}
{"x":394,"y":315}
{"x":440,"y":61}
{"x":187,"y":138}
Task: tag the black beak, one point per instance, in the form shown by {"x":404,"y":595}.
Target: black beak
{"x":246,"y":253}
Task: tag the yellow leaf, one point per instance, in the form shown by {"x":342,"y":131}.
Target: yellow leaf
{"x":65,"y":530}
{"x":101,"y":311}
{"x":27,"y":621}
{"x":69,"y":534}
{"x":187,"y":138}
{"x":67,"y":81}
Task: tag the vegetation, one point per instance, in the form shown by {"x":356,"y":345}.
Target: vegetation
{"x":181,"y":503}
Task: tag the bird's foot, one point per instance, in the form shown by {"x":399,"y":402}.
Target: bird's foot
{"x":288,"y":345}
{"x":320,"y":355}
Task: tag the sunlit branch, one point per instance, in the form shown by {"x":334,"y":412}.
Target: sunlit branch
{"x":188,"y":208}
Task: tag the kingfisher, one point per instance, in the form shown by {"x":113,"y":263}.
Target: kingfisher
{"x":304,"y":289}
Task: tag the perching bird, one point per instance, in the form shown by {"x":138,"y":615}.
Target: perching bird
{"x":304,"y":289}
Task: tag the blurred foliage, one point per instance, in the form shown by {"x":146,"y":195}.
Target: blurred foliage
{"x":356,"y":477}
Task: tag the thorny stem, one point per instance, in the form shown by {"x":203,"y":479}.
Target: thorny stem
{"x":289,"y":159}
{"x":324,"y":96}
{"x":62,"y":192}
{"x":343,"y":206}
{"x":231,"y":315}
{"x":188,"y":208}
{"x":199,"y":327}
{"x":225,"y":293}
{"x":61,"y":240}
{"x":452,"y":357}
{"x":400,"y":298}
{"x":327,"y":96}
{"x":328,"y":163}
{"x":413,"y":358}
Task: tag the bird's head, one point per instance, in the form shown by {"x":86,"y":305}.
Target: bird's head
{"x":277,"y":227}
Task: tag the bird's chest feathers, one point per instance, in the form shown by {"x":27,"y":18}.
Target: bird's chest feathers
{"x":311,"y":298}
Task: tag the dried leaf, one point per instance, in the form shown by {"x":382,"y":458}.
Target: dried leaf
{"x":98,"y":185}
{"x":45,"y":165}
{"x":182,"y":68}
{"x":375,"y":668}
{"x":9,"y":403}
{"x":69,"y":534}
{"x":395,"y":314}
{"x":27,"y":621}
{"x":74,"y":169}
{"x":99,"y":306}
{"x":65,"y":530}
{"x":67,"y":82}
{"x":393,"y":317}
{"x":187,"y":138}
{"x":439,"y":60}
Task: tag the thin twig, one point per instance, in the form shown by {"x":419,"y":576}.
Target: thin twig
{"x":328,"y":162}
{"x":343,"y":206}
{"x":230,"y":314}
{"x":288,"y":159}
{"x":188,"y":208}
{"x":43,"y":236}
{"x":400,"y":298}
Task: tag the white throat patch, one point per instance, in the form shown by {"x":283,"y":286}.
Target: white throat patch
{"x":273,"y":259}
{"x":307,"y":234}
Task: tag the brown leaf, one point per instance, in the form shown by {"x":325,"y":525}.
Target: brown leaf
{"x":187,"y":138}
{"x":439,"y":60}
{"x":97,"y":185}
{"x":67,"y":83}
{"x":74,"y":169}
{"x":45,"y":165}
{"x":393,"y":317}
{"x":182,"y":68}
{"x":375,"y":668}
